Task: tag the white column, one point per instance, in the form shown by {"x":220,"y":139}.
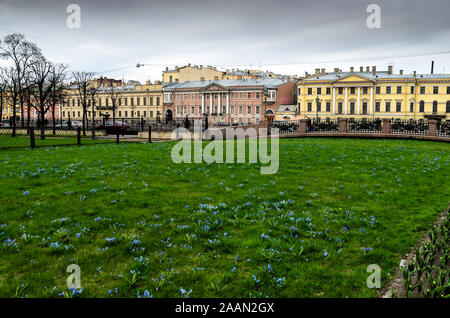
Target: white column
{"x":203,"y":104}
{"x":346,"y":100}
{"x":334,"y":100}
{"x":359,"y":101}
{"x":210,"y":103}
{"x":371,"y":101}
{"x":228,"y":103}
{"x":219,"y":108}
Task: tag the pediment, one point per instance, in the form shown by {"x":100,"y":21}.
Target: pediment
{"x":354,"y":79}
{"x":214,"y":87}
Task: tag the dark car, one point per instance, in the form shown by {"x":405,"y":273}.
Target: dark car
{"x":113,"y":127}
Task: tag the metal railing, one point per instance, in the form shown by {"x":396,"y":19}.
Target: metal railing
{"x":409,"y":127}
{"x":364,"y":125}
{"x":318,"y":125}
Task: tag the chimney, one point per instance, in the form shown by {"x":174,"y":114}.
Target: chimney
{"x":336,"y":70}
{"x":176,"y":67}
{"x":322,"y":71}
{"x":167,"y":68}
{"x":189,"y":64}
{"x":374,"y":70}
{"x":401,"y":72}
{"x":216,"y":78}
{"x":367,"y":69}
{"x":352,"y":69}
{"x":390,"y":69}
{"x":361,"y":69}
{"x":202,"y":78}
{"x":415,"y":73}
{"x":176,"y":80}
{"x":306,"y":74}
{"x":317,"y":72}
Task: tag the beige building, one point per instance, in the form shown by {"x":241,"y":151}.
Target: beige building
{"x":191,"y":73}
{"x":134,"y":100}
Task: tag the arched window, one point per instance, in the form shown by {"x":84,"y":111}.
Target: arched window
{"x":422,"y":106}
{"x":435,"y":107}
{"x":447,"y":108}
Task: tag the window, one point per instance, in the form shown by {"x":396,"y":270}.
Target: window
{"x":178,"y":96}
{"x":365,"y":90}
{"x":232,"y":109}
{"x":364,"y":108}
{"x":157,"y":101}
{"x":388,"y":107}
{"x":258,"y":94}
{"x":241,"y":95}
{"x":192,"y":96}
{"x":388,"y":89}
{"x":398,"y":107}
{"x":145,"y":102}
{"x":339,"y":107}
{"x":249,"y":109}
{"x":328,"y":90}
{"x":309,"y":91}
{"x":192,"y":110}
{"x":240,"y":109}
{"x":435,"y":107}
{"x":352,"y":107}
{"x":448,"y":89}
{"x":132,"y":101}
{"x":352,"y":90}
{"x":257,"y":110}
{"x":309,"y":106}
{"x":399,"y":89}
{"x":378,"y":90}
{"x":138,"y":101}
{"x":185,"y":96}
{"x":151,"y":101}
{"x":178,"y":109}
{"x":412,"y":89}
{"x":126,"y":101}
{"x":319,"y":91}
{"x":422,"y":106}
{"x":435,"y":90}
{"x":249,"y":95}
{"x":126,"y":113}
{"x":411,"y":107}
{"x":185,"y":110}
{"x":328,"y":107}
{"x":340,"y":90}
{"x":422,"y":90}
{"x":447,"y":106}
{"x":145,"y":113}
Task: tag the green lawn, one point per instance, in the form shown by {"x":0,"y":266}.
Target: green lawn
{"x":134,"y":221}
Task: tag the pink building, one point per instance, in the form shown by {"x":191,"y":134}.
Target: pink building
{"x":247,"y":101}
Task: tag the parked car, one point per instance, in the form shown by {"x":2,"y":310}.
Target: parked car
{"x":62,"y":124}
{"x":111,"y":124}
{"x":75,"y":124}
{"x":4,"y":123}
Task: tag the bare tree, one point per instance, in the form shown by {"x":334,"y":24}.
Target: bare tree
{"x":86,"y":91}
{"x":3,"y":91}
{"x":114,"y":93}
{"x":43,"y":81}
{"x":58,"y":90}
{"x":21,"y":53}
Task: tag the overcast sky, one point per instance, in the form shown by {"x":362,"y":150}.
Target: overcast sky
{"x":284,"y":36}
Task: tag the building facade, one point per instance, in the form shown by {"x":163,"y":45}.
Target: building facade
{"x":227,"y":101}
{"x":373,"y":94}
{"x":133,"y":101}
{"x":191,"y":73}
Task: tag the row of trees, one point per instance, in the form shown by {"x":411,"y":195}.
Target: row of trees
{"x":30,"y":81}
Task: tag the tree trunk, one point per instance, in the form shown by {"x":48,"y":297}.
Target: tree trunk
{"x":22,"y":112}
{"x":53,"y":119}
{"x":14,"y":117}
{"x":42,"y":123}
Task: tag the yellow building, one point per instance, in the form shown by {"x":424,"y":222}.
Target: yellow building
{"x":191,"y":73}
{"x":134,"y":100}
{"x":373,"y":94}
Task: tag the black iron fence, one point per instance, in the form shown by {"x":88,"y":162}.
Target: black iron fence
{"x":443,"y":129}
{"x":364,"y":125}
{"x":286,"y":127}
{"x":33,"y":137}
{"x":322,"y":125}
{"x":409,"y":127}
